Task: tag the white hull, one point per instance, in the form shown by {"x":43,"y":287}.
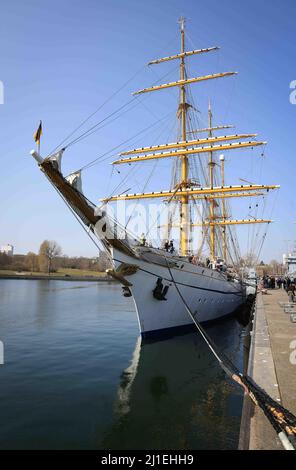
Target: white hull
{"x":208,"y":293}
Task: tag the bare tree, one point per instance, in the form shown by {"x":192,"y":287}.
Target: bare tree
{"x":48,"y":250}
{"x":31,"y":261}
{"x":5,"y":260}
{"x":103,"y":262}
{"x":247,"y":261}
{"x":276,"y":267}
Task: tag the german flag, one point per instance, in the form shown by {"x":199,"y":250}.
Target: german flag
{"x":38,"y":133}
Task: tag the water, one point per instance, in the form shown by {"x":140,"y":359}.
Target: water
{"x":77,"y":376}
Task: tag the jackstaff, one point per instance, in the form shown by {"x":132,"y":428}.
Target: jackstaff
{"x":38,"y":134}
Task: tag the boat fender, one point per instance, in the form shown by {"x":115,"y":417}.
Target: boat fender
{"x":160,"y":291}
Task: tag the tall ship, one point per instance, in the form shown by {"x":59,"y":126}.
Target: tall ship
{"x":166,"y":278}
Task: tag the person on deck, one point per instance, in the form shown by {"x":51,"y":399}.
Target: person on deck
{"x":143,"y":240}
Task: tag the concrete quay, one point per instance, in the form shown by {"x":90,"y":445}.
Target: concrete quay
{"x":272,"y":365}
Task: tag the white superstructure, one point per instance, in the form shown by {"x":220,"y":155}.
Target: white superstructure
{"x":289,"y":260}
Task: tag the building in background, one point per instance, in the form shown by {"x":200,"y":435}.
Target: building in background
{"x":289,"y":262}
{"x":7,"y":249}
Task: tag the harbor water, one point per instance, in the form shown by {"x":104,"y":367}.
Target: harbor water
{"x":76,"y":374}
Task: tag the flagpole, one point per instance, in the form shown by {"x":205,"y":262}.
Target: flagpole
{"x":37,"y":136}
{"x":39,"y":141}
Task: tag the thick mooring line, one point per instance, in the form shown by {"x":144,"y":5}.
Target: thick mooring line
{"x":282,"y":420}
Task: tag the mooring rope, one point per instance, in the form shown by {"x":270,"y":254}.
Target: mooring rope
{"x":282,"y":420}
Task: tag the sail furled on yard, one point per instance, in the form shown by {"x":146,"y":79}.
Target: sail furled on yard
{"x":188,"y":143}
{"x":190,"y":151}
{"x":186,"y":81}
{"x":182,"y":55}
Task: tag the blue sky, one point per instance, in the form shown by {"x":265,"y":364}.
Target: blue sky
{"x":59,"y":60}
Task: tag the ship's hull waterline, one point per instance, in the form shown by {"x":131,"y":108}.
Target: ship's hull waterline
{"x":207,"y":293}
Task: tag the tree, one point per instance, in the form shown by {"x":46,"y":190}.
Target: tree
{"x":31,"y":261}
{"x":276,"y":267}
{"x":248,"y":260}
{"x":5,"y":260}
{"x":103,"y":262}
{"x":48,"y":250}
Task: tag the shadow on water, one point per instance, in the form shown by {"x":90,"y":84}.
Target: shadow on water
{"x":173,"y":395}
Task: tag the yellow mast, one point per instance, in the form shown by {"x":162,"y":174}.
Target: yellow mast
{"x":182,"y":149}
{"x":184,"y":159}
{"x":224,"y":238}
{"x":212,"y":202}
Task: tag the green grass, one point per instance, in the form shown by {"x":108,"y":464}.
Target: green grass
{"x":60,"y":272}
{"x":80,"y":272}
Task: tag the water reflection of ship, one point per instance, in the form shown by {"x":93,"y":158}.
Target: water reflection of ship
{"x":174,"y":395}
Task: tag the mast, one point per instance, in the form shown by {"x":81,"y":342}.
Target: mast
{"x":212,"y":202}
{"x":186,"y":189}
{"x":182,"y":149}
{"x":184,"y":159}
{"x":224,"y":238}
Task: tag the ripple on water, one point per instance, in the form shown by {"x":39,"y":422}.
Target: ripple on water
{"x":76,"y":376}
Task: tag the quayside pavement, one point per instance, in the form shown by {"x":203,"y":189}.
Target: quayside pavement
{"x":272,"y":364}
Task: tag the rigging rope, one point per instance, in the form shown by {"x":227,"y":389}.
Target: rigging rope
{"x":97,"y":110}
{"x":106,"y":101}
{"x":95,"y":127}
{"x":93,"y":162}
{"x":143,"y":188}
{"x":282,"y":420}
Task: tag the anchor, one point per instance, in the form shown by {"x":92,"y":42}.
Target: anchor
{"x":160,"y":291}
